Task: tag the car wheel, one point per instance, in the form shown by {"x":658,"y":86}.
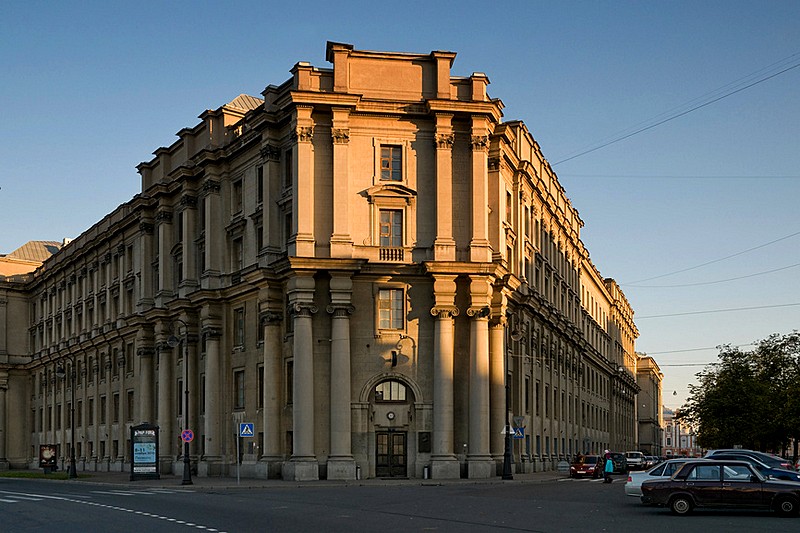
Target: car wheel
{"x":786,"y":506}
{"x":681,"y":505}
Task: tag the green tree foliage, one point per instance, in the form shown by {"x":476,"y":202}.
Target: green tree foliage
{"x":748,"y":398}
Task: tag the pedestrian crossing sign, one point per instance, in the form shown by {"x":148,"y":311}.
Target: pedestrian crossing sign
{"x":519,"y":433}
{"x":246,"y":429}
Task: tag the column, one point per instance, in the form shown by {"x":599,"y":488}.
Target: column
{"x":444,"y":246}
{"x":444,"y":464}
{"x":189,"y":203}
{"x":192,"y":384}
{"x":303,"y":464}
{"x":168,"y":437}
{"x":302,"y":243}
{"x":3,"y":420}
{"x":479,"y":461}
{"x":144,"y":296}
{"x":212,"y":456}
{"x":479,"y":248}
{"x":270,"y":320}
{"x":341,"y":464}
{"x":215,"y":239}
{"x":145,"y":352}
{"x":165,"y":242}
{"x":497,"y":386}
{"x":341,"y":241}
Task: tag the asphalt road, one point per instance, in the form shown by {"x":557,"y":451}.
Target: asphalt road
{"x":551,"y":506}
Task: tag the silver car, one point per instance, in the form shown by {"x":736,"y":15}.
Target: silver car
{"x":633,"y":487}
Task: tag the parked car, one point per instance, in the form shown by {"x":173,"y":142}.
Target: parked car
{"x":766,"y":471}
{"x":636,"y":460}
{"x":587,"y":465}
{"x":733,"y":484}
{"x":773,"y":461}
{"x":620,"y":463}
{"x":633,"y":487}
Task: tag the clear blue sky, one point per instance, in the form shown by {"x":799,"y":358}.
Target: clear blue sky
{"x":91,"y":89}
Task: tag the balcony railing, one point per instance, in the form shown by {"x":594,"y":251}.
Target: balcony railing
{"x":392,"y":253}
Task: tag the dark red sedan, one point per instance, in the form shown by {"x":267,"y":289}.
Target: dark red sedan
{"x":734,"y":484}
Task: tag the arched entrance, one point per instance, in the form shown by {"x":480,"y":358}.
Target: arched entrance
{"x":392,"y":403}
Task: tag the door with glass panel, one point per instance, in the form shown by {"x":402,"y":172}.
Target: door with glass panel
{"x":390,"y":454}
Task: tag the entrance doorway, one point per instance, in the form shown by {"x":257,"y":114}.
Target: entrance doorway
{"x":390,"y":454}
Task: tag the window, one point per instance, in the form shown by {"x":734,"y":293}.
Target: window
{"x":705,"y":472}
{"x":391,"y":163}
{"x":237,"y":196}
{"x":238,"y":389}
{"x":391,"y":228}
{"x":390,"y":391}
{"x":288,"y":168}
{"x":116,"y":408}
{"x":390,"y":309}
{"x":260,"y":185}
{"x":260,"y":399}
{"x":238,"y":327}
{"x":129,"y":407}
{"x":103,"y":402}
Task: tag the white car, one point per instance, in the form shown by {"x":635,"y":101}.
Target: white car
{"x":633,"y":487}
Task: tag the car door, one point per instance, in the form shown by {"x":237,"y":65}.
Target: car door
{"x":704,"y":483}
{"x":738,"y":487}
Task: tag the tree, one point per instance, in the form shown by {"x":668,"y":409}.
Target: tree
{"x":749,"y":398}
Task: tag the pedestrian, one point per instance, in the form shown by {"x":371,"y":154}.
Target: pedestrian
{"x":609,"y":468}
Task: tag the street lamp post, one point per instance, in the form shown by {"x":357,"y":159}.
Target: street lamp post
{"x":173,"y":341}
{"x":516,"y":335}
{"x":61,"y":373}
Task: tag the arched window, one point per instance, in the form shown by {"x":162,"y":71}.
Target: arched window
{"x":390,"y":391}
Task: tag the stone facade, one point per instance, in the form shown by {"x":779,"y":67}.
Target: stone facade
{"x":361,"y":263}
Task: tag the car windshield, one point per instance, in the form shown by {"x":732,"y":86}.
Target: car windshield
{"x":592,"y":459}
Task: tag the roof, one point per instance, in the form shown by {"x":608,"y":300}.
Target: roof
{"x":37,"y":251}
{"x":246,"y":102}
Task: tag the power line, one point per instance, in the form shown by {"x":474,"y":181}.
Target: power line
{"x":686,"y":112}
{"x":719,"y":311}
{"x":713,"y":282}
{"x":696,"y":349}
{"x":711,"y":262}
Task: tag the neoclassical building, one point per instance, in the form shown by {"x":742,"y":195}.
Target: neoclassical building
{"x":366,"y":263}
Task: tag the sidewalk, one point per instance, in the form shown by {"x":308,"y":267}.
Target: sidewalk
{"x":122,"y":479}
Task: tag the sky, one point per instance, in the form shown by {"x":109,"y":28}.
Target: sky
{"x":673,"y":126}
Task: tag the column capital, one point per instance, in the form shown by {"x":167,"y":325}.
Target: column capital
{"x":479,"y":312}
{"x":340,"y":310}
{"x":270,"y":317}
{"x":444,"y":141}
{"x":340,"y":135}
{"x":444,"y":311}
{"x":303,"y":309}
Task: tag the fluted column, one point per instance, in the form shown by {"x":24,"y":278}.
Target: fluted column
{"x":444,"y":464}
{"x":214,"y":230}
{"x":479,"y":462}
{"x":341,"y":464}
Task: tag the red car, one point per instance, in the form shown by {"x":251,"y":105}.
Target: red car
{"x":588,"y":465}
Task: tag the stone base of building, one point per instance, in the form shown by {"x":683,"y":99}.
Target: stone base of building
{"x":269,"y":467}
{"x":480,"y":467}
{"x":4,"y":465}
{"x":342,"y":468}
{"x":445,"y":468}
{"x":211,"y":466}
{"x":300,"y":470}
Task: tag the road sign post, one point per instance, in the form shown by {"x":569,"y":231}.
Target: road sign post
{"x":246,"y":430}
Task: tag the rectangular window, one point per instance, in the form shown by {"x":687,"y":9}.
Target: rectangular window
{"x":103,"y":402}
{"x":391,"y":228}
{"x":260,"y":399}
{"x":237,"y":196}
{"x":237,"y":254}
{"x":260,"y":185}
{"x":129,"y":407}
{"x":289,"y":382}
{"x":116,"y":408}
{"x":288,"y":168}
{"x":90,"y":414}
{"x":238,"y":389}
{"x":391,"y":309}
{"x":238,"y":327}
{"x":391,"y":163}
{"x":79,"y":414}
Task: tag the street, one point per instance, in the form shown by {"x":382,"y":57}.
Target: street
{"x":550,"y":506}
